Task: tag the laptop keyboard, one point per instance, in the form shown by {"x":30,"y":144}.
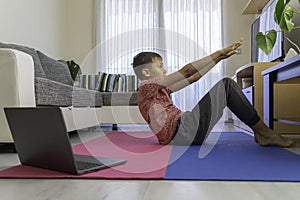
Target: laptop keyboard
{"x":86,"y":165}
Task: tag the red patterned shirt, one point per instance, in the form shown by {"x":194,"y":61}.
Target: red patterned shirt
{"x":158,"y":110}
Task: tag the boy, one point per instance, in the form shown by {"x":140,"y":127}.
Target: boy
{"x":170,"y":124}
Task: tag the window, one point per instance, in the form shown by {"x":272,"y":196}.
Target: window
{"x":181,"y":31}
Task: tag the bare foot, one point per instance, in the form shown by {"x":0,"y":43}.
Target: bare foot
{"x":266,"y":136}
{"x":274,"y":139}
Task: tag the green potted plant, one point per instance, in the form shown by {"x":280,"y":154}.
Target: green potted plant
{"x":74,"y":69}
{"x":283,"y":16}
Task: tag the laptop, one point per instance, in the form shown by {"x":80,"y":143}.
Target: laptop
{"x":41,"y":139}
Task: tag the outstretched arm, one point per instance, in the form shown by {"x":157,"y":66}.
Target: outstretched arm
{"x":195,"y":70}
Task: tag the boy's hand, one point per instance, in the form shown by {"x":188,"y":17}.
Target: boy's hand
{"x":231,"y":50}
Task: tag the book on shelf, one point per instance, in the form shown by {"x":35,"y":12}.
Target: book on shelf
{"x":121,"y":83}
{"x":115,"y":82}
{"x":110,"y":82}
{"x":82,"y":81}
{"x":103,"y":82}
{"x":92,"y":81}
{"x":130,"y":83}
{"x":99,"y":82}
{"x":88,"y":81}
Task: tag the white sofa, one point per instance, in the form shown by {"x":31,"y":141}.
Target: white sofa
{"x":18,"y":89}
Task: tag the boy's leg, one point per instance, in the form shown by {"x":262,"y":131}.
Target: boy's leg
{"x":241,"y":107}
{"x":225,"y":93}
{"x":239,"y":104}
{"x":195,"y":125}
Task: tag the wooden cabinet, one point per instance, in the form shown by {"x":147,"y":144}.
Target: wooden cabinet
{"x":281,"y":96}
{"x":286,"y":107}
{"x":253,"y":92}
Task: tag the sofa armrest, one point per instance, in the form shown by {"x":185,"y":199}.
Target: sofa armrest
{"x":16,"y":78}
{"x":16,"y":85}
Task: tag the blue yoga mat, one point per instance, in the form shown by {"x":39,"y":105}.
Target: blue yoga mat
{"x":234,"y":157}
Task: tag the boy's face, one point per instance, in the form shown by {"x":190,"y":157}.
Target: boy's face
{"x":156,"y":70}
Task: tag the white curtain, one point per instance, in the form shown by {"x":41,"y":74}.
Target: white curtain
{"x":180,"y":30}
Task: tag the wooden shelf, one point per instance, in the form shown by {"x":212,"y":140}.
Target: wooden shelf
{"x":244,"y":71}
{"x":254,"y":93}
{"x":254,"y":6}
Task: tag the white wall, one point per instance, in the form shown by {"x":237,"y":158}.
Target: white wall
{"x":235,"y":26}
{"x":35,"y":23}
{"x":62,"y":29}
{"x":65,"y":28}
{"x":79,"y":32}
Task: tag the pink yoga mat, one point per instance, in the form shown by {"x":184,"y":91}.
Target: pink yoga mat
{"x":146,"y":159}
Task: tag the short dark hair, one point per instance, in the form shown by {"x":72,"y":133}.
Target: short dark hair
{"x":142,"y":59}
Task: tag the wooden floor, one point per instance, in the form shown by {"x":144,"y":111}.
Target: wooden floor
{"x":41,"y":189}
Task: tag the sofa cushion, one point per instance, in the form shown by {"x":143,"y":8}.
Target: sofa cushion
{"x":48,"y":92}
{"x":119,"y":98}
{"x":55,"y":70}
{"x":38,"y":70}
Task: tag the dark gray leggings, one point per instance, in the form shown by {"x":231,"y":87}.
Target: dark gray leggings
{"x":193,"y":127}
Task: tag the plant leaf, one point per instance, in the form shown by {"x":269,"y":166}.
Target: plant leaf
{"x":279,"y":10}
{"x":286,"y":22}
{"x":266,"y":42}
{"x":74,"y":68}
